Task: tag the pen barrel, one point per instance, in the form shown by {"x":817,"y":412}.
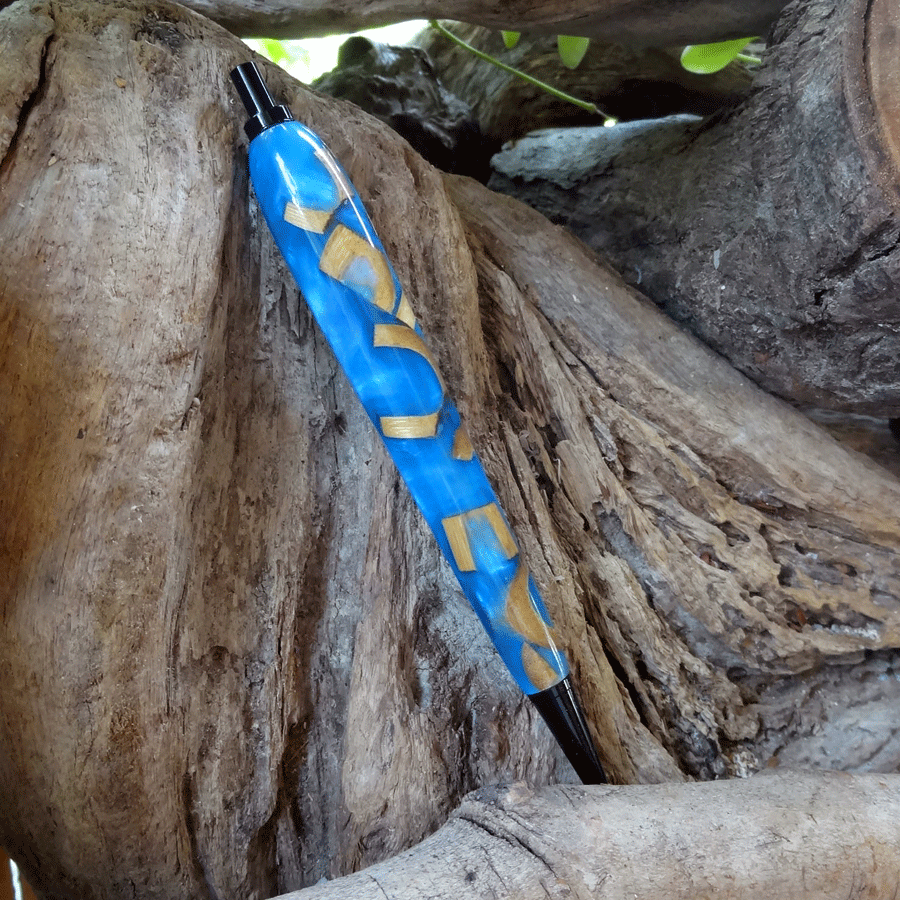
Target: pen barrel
{"x":339,"y":263}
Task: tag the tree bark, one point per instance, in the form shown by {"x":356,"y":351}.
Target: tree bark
{"x":232,"y":659}
{"x":770,"y":231}
{"x":667,"y":22}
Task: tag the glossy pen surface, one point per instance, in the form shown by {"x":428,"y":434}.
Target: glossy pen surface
{"x":327,"y":239}
{"x":330,"y":246}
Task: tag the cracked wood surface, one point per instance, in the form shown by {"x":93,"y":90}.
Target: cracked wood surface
{"x":769,"y":230}
{"x":797,"y":835}
{"x":232,"y":659}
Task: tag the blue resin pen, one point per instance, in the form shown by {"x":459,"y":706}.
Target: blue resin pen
{"x":330,"y":246}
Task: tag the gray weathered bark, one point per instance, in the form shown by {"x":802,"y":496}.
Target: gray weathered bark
{"x":797,"y":835}
{"x":771,"y":231}
{"x":232,"y":660}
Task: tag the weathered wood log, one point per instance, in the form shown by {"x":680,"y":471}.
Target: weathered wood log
{"x":232,"y":660}
{"x":770,"y":231}
{"x":625,"y":82}
{"x":407,"y":88}
{"x":216,"y":651}
{"x":666,"y":22}
{"x":399,"y":86}
{"x":797,"y":835}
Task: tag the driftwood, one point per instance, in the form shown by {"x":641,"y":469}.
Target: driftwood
{"x":771,"y":231}
{"x":231,"y":659}
{"x":665,"y":22}
{"x":792,"y":835}
{"x":398,"y":85}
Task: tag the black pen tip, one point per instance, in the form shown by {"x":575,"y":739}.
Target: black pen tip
{"x":560,"y":709}
{"x":261,"y":108}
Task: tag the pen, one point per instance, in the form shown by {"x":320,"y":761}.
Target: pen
{"x":327,"y":239}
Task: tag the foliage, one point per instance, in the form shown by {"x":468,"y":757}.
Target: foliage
{"x":290,"y":55}
{"x":562,"y":95}
{"x":308,"y":58}
{"x":705,"y":59}
{"x":572,"y":49}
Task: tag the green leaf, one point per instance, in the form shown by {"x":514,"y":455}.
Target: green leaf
{"x":572,"y":49}
{"x":511,"y":38}
{"x":274,"y":50}
{"x":555,"y":92}
{"x":704,"y":59}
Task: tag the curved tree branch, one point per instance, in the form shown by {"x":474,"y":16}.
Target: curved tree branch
{"x":795,"y":835}
{"x":666,"y":22}
{"x":770,"y":230}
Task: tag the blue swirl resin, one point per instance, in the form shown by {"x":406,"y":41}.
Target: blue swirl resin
{"x":328,"y":241}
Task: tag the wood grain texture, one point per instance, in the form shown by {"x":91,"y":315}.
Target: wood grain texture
{"x":232,"y":659}
{"x":211,"y":622}
{"x":689,"y":504}
{"x":769,"y":230}
{"x":794,"y":835}
{"x":873,"y":78}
